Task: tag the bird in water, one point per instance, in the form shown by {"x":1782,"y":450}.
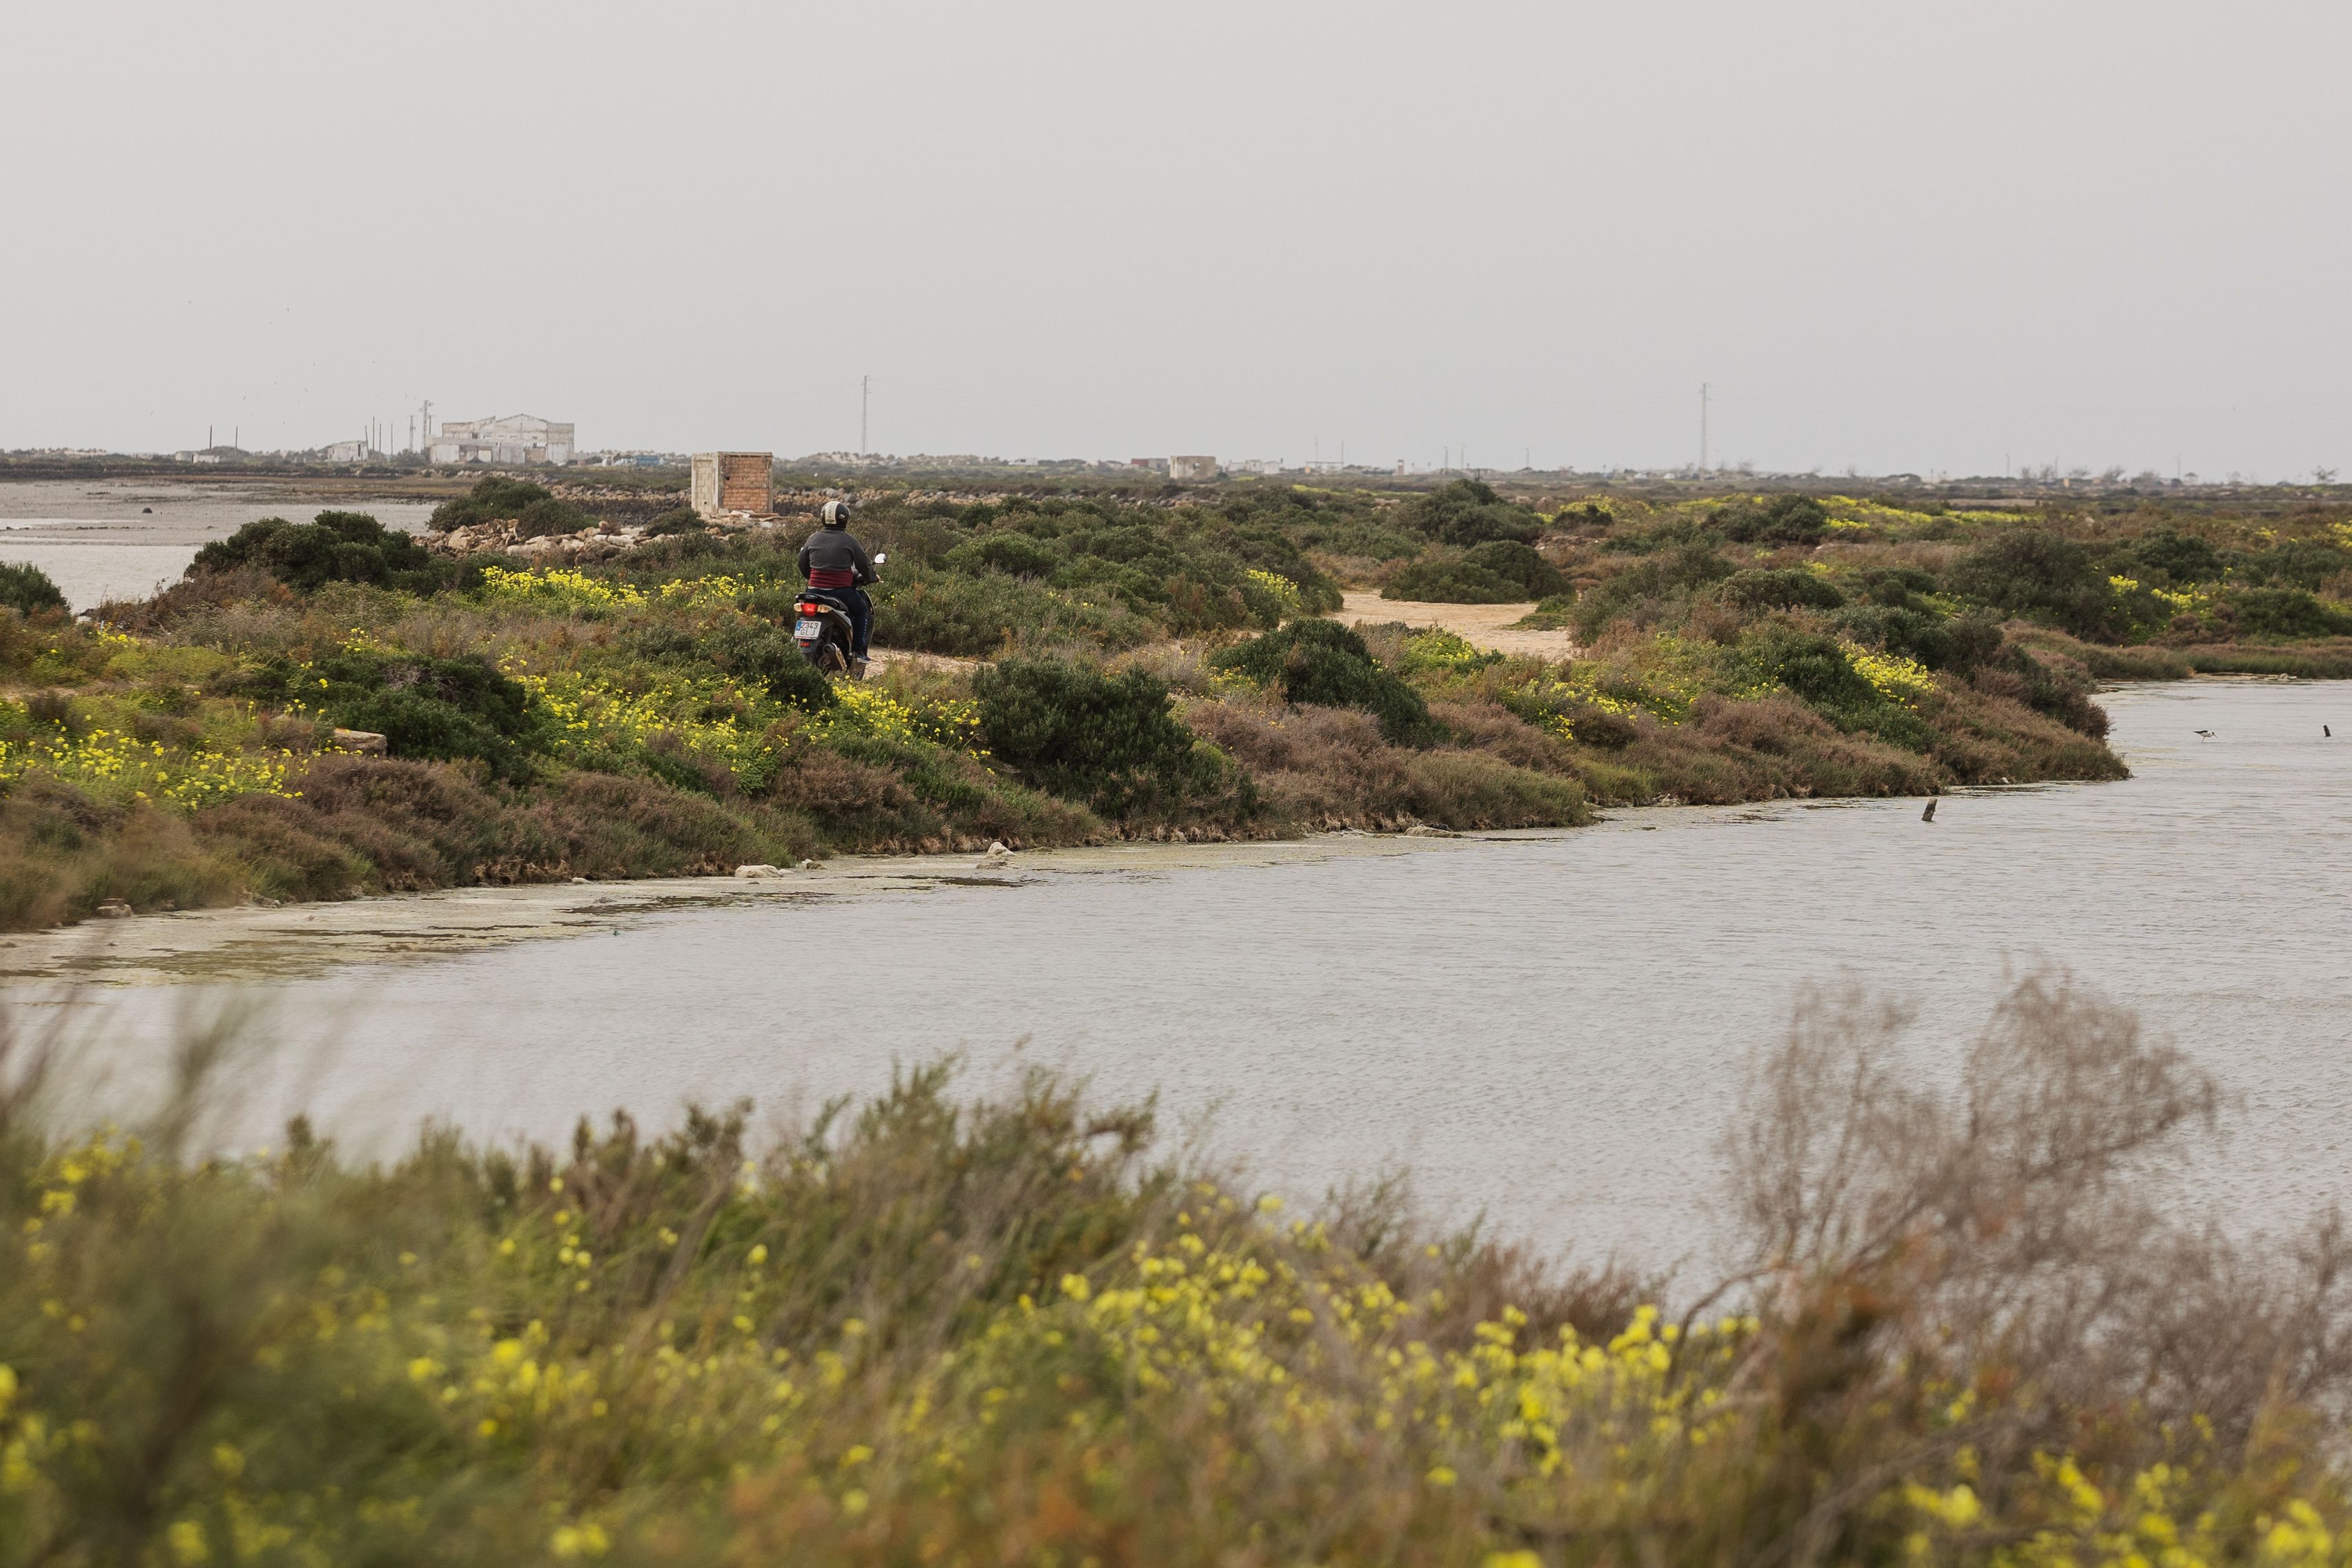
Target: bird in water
{"x":1928,"y":815}
{"x":2207,"y":734}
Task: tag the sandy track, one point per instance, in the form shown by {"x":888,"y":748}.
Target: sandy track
{"x":1488,"y":626}
{"x":883,"y":657}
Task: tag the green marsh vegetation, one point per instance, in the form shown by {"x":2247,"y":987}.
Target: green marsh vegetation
{"x":1106,"y":666}
{"x":1957,"y":1325}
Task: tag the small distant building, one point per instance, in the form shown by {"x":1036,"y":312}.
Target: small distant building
{"x":514,"y":438}
{"x":743,"y":483}
{"x":333,"y":452}
{"x":1192,"y":469}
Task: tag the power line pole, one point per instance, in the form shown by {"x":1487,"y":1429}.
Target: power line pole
{"x":864,"y":398}
{"x":1702,"y":427}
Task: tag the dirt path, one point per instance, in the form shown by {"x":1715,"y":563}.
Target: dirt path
{"x":883,"y":657}
{"x":1488,"y":626}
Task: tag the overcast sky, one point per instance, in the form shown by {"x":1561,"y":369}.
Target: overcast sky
{"x":1890,"y":236}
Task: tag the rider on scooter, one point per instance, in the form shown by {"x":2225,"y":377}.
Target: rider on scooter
{"x":837,"y":564}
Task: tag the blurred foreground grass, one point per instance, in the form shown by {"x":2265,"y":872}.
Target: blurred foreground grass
{"x":935,"y":1330}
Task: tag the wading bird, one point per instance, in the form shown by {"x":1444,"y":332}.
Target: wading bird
{"x":2207,"y":733}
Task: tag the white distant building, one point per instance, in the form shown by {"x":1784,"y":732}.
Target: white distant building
{"x":515,"y":438}
{"x":333,"y":452}
{"x":1192,"y":469}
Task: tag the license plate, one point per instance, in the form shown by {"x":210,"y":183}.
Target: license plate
{"x":807,"y":631}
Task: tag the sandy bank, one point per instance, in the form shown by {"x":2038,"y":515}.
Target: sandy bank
{"x":299,"y":940}
{"x":1488,"y":626}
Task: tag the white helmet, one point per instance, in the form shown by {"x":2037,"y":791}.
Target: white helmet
{"x":835,"y":514}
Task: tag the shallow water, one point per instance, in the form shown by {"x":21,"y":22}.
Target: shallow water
{"x":121,"y":539}
{"x":1548,"y":1027}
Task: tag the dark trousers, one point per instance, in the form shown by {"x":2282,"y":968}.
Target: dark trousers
{"x":860,"y":611}
{"x":861,"y":620}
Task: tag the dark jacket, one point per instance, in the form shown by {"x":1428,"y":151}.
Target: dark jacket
{"x":833,"y":549}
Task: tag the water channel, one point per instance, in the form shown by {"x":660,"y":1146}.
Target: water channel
{"x":1548,"y":1027}
{"x":124,"y":539}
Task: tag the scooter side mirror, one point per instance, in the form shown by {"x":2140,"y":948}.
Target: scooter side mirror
{"x":881,"y":557}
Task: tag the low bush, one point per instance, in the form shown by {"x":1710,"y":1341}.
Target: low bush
{"x":1784,"y":588}
{"x":493,"y":500}
{"x":1657,"y":580}
{"x":1468,"y":512}
{"x":334,"y":547}
{"x":26,"y":589}
{"x":440,"y":709}
{"x":2306,"y":563}
{"x":1780,"y":520}
{"x":744,"y":647}
{"x":547,"y":515}
{"x":1819,"y":671}
{"x":2177,"y":557}
{"x":2042,"y":575}
{"x":2049,"y":683}
{"x":1325,"y":769}
{"x":1111,"y":741}
{"x":1956,"y":643}
{"x":1324,"y":663}
{"x":1500,"y":571}
{"x":2288,"y":613}
{"x":984,"y":616}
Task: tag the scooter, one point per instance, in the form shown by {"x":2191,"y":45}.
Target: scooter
{"x":821,"y":626}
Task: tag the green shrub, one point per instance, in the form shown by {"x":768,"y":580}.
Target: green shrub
{"x":547,"y":515}
{"x":1784,"y":588}
{"x":1939,"y":641}
{"x":1500,"y":571}
{"x":27,"y":590}
{"x":980,"y":617}
{"x":1014,"y":554}
{"x":2054,"y":685}
{"x":1437,"y":650}
{"x":2034,"y":572}
{"x":492,"y":500}
{"x":1903,"y":587}
{"x":1817,"y":668}
{"x":442,"y":710}
{"x":1467,"y":512}
{"x":2296,"y":564}
{"x":750,"y":649}
{"x":2179,"y":557}
{"x":1109,"y":741}
{"x":335,"y":547}
{"x":1782,"y":519}
{"x":1325,"y":663}
{"x":1675,"y":574}
{"x":2287,"y":612}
